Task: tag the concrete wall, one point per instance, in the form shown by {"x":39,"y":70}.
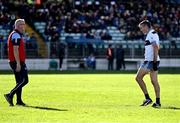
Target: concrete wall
{"x":101,"y":64}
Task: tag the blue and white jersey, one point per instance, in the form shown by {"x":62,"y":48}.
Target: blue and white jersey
{"x":15,"y":38}
{"x":151,"y":38}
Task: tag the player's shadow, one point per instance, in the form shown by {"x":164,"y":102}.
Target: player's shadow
{"x":170,"y":107}
{"x":45,"y":108}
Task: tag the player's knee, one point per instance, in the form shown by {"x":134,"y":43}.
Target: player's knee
{"x":26,"y":80}
{"x":154,"y":82}
{"x":137,"y":78}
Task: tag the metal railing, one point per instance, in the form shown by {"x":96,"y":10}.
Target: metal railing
{"x":73,"y":50}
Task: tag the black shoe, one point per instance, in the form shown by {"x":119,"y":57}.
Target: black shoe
{"x":9,"y":99}
{"x":20,"y":104}
{"x":156,"y":105}
{"x":146,"y":102}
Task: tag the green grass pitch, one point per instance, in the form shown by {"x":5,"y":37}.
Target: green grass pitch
{"x":90,"y":98}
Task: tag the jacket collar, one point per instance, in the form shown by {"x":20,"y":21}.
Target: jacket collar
{"x":18,"y":31}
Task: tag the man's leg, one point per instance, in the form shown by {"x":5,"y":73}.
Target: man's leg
{"x":117,"y":64}
{"x":22,"y":79}
{"x":18,"y":86}
{"x":120,"y":64}
{"x":18,"y":94}
{"x":24,"y":75}
{"x":139,"y":78}
{"x":60,"y":62}
{"x":9,"y":96}
{"x":123,"y":63}
{"x":19,"y":91}
{"x":109,"y":64}
{"x":154,"y":81}
{"x":112,"y":64}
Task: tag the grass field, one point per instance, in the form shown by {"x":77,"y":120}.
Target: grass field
{"x":90,"y":98}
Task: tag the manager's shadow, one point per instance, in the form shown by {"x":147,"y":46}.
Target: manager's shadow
{"x":44,"y":108}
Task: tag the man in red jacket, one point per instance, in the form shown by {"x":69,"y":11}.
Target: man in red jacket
{"x":16,"y":55}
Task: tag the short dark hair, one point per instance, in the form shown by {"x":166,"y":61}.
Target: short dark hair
{"x":145,"y":22}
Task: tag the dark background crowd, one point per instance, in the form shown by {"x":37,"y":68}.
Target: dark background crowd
{"x":80,"y":17}
{"x":83,"y":16}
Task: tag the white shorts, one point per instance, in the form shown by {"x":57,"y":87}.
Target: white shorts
{"x":149,"y":65}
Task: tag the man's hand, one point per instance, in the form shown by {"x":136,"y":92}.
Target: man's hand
{"x":155,"y":66}
{"x":18,"y":67}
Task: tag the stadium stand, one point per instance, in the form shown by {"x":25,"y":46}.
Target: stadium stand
{"x":107,"y":22}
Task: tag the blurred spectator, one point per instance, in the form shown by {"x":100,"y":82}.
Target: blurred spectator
{"x":120,"y":58}
{"x":54,"y":51}
{"x":110,"y":57}
{"x":61,"y":55}
{"x":98,"y":15}
{"x":91,"y":62}
{"x":89,"y":35}
{"x":105,"y":35}
{"x":33,"y":40}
